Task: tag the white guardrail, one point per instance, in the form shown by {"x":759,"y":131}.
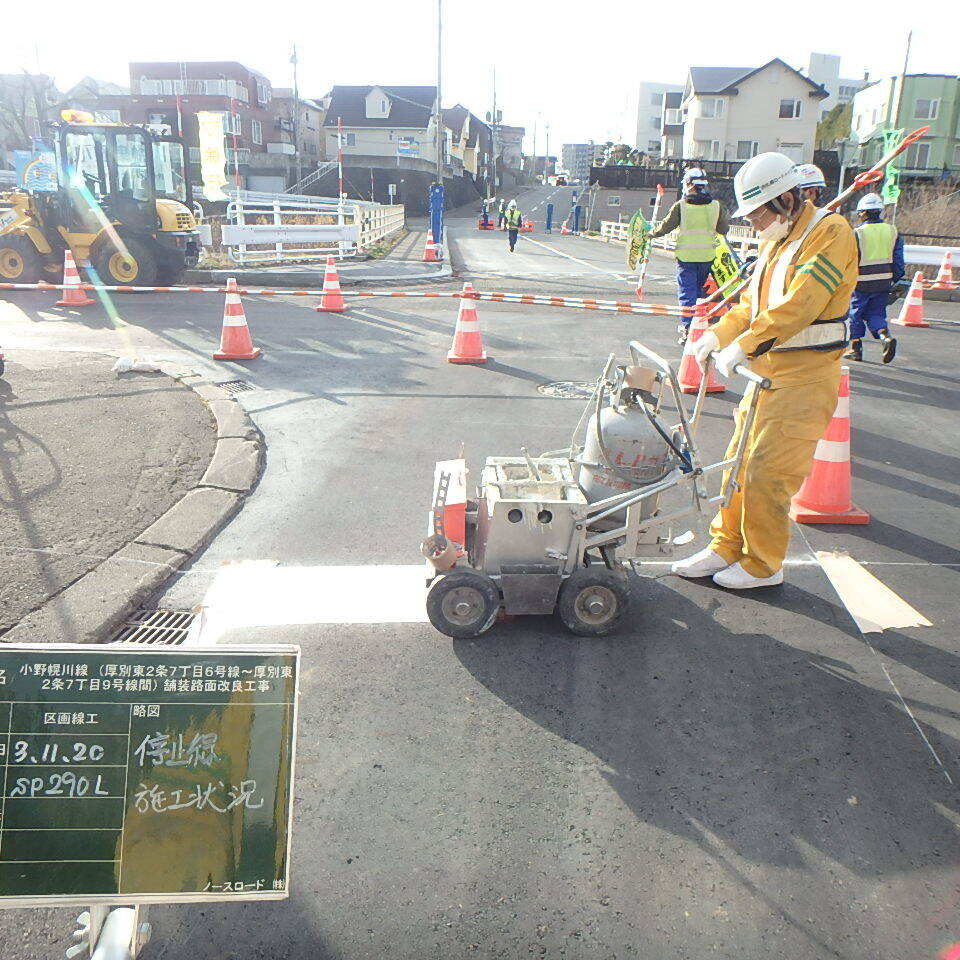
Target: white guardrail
{"x":279,"y":228}
{"x":741,"y":238}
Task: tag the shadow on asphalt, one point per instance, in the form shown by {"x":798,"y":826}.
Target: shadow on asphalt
{"x":735,"y":740}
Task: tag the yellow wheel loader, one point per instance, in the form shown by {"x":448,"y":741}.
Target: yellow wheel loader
{"x":117,"y":196}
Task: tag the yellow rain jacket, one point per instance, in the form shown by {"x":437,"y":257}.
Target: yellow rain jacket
{"x":795,"y":285}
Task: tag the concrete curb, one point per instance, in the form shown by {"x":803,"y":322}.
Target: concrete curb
{"x":94,"y":606}
{"x":304,"y":279}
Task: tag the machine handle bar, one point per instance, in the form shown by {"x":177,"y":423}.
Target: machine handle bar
{"x":764,"y":383}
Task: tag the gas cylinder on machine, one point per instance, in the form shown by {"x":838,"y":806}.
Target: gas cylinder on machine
{"x":628,"y":453}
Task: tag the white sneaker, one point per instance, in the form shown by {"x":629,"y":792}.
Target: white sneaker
{"x":736,"y":578}
{"x":703,"y":564}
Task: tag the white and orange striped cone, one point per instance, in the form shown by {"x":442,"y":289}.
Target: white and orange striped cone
{"x":74,"y":295}
{"x":911,"y":313}
{"x":331,"y":299}
{"x":564,"y":229}
{"x":430,"y":254}
{"x":690,"y":374}
{"x":235,"y":341}
{"x":826,"y":495}
{"x":467,"y":341}
{"x":944,"y":278}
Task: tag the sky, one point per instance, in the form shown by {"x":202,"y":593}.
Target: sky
{"x":563,"y":64}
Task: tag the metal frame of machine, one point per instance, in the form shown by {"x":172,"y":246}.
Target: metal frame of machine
{"x":533,"y":541}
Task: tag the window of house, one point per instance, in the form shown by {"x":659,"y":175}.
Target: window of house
{"x":917,"y":156}
{"x":232,"y":124}
{"x":673,"y":117}
{"x":263,"y":92}
{"x":790,"y":109}
{"x":711,"y":108}
{"x":256,"y":131}
{"x":383,"y":106}
{"x":926,"y":109}
{"x":655,"y":122}
{"x":653,"y":146}
{"x":655,"y":99}
{"x":349,"y":139}
{"x":716,"y":151}
{"x":747,"y":149}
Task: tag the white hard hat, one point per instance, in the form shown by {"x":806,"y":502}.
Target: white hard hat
{"x":872,"y":201}
{"x":762,"y":179}
{"x":694,"y":175}
{"x":811,"y":176}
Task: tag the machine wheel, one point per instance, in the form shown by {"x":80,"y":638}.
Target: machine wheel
{"x":20,"y":261}
{"x":463,"y":603}
{"x":134,"y":267}
{"x":593,"y":601}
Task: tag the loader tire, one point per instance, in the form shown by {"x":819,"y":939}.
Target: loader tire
{"x":20,"y":261}
{"x":133,"y":265}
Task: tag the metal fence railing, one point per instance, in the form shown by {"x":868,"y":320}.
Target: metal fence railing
{"x":282,"y":228}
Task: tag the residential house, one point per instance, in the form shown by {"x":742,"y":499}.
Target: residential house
{"x":734,"y":113}
{"x":298,"y":130}
{"x":824,"y":69}
{"x":471,"y":141}
{"x":928,"y":99}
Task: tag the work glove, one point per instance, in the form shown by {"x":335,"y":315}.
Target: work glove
{"x":728,"y":358}
{"x":702,"y":349}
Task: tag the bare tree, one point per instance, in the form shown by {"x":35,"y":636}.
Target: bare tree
{"x":26,"y":101}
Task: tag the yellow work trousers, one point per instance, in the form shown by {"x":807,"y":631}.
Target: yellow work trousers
{"x":755,"y":528}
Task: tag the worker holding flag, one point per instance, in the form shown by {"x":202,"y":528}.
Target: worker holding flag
{"x":697,"y":218}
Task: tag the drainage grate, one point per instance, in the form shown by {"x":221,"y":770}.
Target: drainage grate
{"x":156,"y":626}
{"x":568,"y":389}
{"x":236,"y":386}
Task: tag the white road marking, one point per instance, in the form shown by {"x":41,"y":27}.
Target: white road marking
{"x":584,"y":263}
{"x":872,"y":604}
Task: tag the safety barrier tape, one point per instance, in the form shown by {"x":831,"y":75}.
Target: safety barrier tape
{"x":577,"y":303}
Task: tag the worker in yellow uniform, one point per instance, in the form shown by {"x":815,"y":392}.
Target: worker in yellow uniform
{"x":514,"y":221}
{"x":790,"y":325}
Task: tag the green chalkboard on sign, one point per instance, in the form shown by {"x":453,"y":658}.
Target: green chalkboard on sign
{"x":144,"y":774}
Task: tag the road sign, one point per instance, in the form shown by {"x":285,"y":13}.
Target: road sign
{"x":141,"y":774}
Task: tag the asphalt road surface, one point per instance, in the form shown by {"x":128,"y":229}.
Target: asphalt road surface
{"x":739,"y":776}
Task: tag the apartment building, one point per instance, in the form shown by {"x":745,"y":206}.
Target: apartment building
{"x":928,"y":99}
{"x":577,"y":158}
{"x":824,"y":69}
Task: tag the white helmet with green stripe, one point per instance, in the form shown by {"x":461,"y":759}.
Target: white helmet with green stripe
{"x":762,"y":179}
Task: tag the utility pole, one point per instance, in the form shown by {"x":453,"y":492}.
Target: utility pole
{"x":296,"y":117}
{"x":495,"y":131}
{"x":439,"y":75}
{"x":533,"y":165}
{"x":546,"y":152}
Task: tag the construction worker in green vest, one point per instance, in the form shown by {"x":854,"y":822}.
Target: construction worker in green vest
{"x":697,"y":218}
{"x":881,"y":268}
{"x":514,"y":219}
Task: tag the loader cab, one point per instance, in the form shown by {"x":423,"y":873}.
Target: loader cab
{"x":170,"y":172}
{"x":107,"y":172}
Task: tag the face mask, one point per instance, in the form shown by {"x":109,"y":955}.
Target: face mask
{"x":775,"y":231}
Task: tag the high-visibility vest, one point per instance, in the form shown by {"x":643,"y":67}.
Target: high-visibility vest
{"x":876,"y":241}
{"x":698,"y":227}
{"x":514,"y":218}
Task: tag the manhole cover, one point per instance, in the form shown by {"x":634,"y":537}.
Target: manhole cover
{"x":568,"y":389}
{"x":156,"y":626}
{"x":236,"y":386}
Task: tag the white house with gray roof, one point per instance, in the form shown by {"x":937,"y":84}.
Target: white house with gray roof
{"x":734,"y":113}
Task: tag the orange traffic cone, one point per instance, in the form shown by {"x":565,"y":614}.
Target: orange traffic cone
{"x":825,"y":496}
{"x":944,"y":278}
{"x":690,"y":373}
{"x":564,"y":228}
{"x":430,"y":249}
{"x":911,"y":313}
{"x":331,"y":299}
{"x":235,"y":342}
{"x":527,"y":226}
{"x":74,"y":295}
{"x":467,"y":342}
